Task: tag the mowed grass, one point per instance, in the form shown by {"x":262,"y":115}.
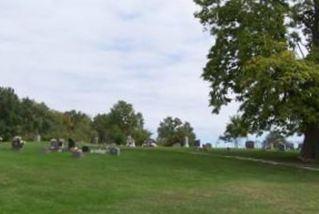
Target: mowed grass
{"x":286,"y":157}
{"x":150,"y":181}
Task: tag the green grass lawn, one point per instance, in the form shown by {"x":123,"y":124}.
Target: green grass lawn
{"x":287,"y":157}
{"x":150,"y":181}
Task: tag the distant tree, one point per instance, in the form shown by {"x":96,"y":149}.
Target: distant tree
{"x":187,"y":131}
{"x":173,"y":130}
{"x":57,"y":127}
{"x":79,"y":125}
{"x":274,"y":138}
{"x":101,"y":124}
{"x":234,"y":130}
{"x":10,"y":117}
{"x":35,"y":118}
{"x":119,"y":123}
{"x":28,"y":118}
{"x":123,"y":115}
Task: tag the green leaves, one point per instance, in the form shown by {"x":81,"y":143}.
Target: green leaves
{"x":173,"y":130}
{"x":119,"y":123}
{"x":251,"y":61}
{"x":242,"y":30}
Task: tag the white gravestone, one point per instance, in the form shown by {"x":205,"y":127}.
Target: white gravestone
{"x":186,"y":143}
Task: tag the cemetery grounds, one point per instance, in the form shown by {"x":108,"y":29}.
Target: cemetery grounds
{"x":153,"y":181}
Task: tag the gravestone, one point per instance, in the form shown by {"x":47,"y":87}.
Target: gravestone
{"x":54,"y":145}
{"x":281,"y":147}
{"x":250,"y":144}
{"x":77,"y":153}
{"x":17,"y":143}
{"x":186,"y":142}
{"x":207,"y":146}
{"x":290,"y":146}
{"x":114,"y":150}
{"x":197,"y":143}
{"x":71,"y":143}
{"x":98,"y":151}
{"x":37,"y":138}
{"x":177,"y":145}
{"x":85,"y":149}
{"x":61,"y":143}
{"x":130,"y":142}
{"x":150,"y":143}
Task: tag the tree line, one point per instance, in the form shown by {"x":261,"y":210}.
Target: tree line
{"x":30,"y":119}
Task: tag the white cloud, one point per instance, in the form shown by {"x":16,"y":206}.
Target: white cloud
{"x":86,"y":55}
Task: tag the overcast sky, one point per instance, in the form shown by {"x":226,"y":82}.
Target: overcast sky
{"x":88,"y":54}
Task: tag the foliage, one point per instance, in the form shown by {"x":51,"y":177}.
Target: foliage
{"x":119,"y":123}
{"x":28,"y":118}
{"x":275,"y":138}
{"x":79,"y":126}
{"x":173,"y":130}
{"x":9,"y":113}
{"x":252,"y":61}
{"x":235,"y":129}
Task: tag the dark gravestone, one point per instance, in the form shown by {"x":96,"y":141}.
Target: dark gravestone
{"x":197,"y":143}
{"x":250,"y":145}
{"x":17,"y":143}
{"x":115,"y":151}
{"x":290,"y":146}
{"x":85,"y":149}
{"x":281,"y":147}
{"x":71,"y":143}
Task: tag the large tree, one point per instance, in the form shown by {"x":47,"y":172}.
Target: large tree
{"x":253,"y":61}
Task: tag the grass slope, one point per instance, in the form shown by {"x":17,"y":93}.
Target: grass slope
{"x":150,"y":181}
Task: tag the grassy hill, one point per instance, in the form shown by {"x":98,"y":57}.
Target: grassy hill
{"x":150,"y":181}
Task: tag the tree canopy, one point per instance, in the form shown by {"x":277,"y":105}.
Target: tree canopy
{"x":121,"y":122}
{"x":254,"y":61}
{"x":27,"y":118}
{"x":173,"y":130}
{"x":274,"y":139}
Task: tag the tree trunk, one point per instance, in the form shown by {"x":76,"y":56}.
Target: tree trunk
{"x":309,"y":151}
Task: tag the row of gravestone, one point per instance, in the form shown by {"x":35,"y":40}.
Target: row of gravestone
{"x":59,"y":145}
{"x":130,"y":142}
